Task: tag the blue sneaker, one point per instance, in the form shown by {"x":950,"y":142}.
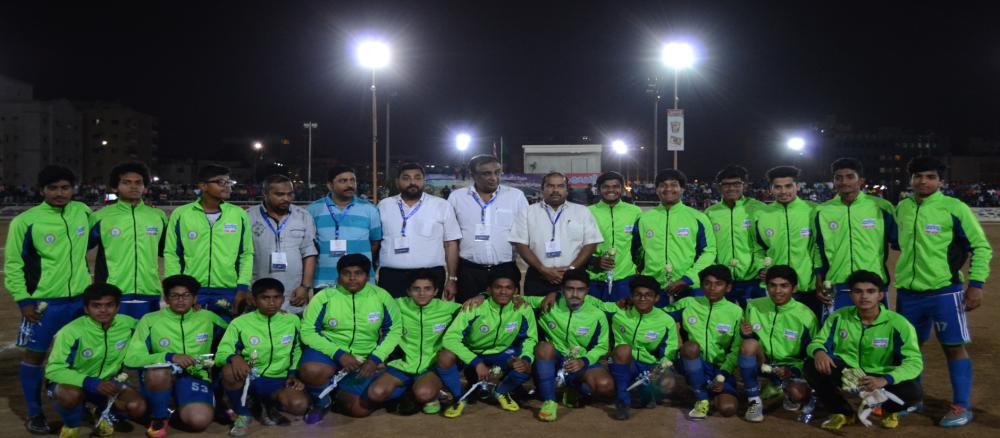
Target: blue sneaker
{"x":316,"y":413}
{"x":958,"y":416}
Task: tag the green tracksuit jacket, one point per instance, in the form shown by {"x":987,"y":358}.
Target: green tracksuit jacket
{"x":616,"y":224}
{"x":219,"y":256}
{"x":679,"y":239}
{"x":853,"y":237}
{"x":45,"y":255}
{"x":423,"y":333}
{"x":784,"y":331}
{"x":786,"y":234}
{"x":161,"y":334}
{"x":491,"y":329}
{"x":366,"y":323}
{"x":734,"y":238}
{"x":129,"y":241}
{"x":652,"y":336}
{"x":84,"y":354}
{"x":935,"y":239}
{"x":586,"y":327}
{"x":714,"y":326}
{"x":888,"y":346}
{"x":275,"y":339}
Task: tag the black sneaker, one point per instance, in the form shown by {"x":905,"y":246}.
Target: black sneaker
{"x":621,"y":411}
{"x":37,"y":425}
{"x":270,"y":416}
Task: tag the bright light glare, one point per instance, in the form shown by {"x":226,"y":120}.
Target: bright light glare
{"x":796,"y":143}
{"x":678,"y":55}
{"x":258,"y":146}
{"x":462,"y":141}
{"x":619,"y":147}
{"x":373,"y":54}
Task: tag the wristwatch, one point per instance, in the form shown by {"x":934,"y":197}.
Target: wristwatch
{"x":306,"y":287}
{"x":453,"y":278}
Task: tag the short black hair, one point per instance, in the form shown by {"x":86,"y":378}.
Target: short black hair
{"x":209,"y":170}
{"x":782,"y":271}
{"x":576,"y":274}
{"x":422,"y":274}
{"x":54,"y":173}
{"x":671,"y":174}
{"x":645,"y":281}
{"x":265,"y":284}
{"x":409,"y":166}
{"x":783,"y":172}
{"x":608,"y":176}
{"x":359,"y":260}
{"x":276,"y":178}
{"x":480,"y":160}
{"x":97,"y":291}
{"x":865,"y":277}
{"x":720,"y":272}
{"x":186,"y":281}
{"x":848,"y":163}
{"x":337,"y":170}
{"x":732,"y":171}
{"x":924,"y":164}
{"x":554,"y":173}
{"x":123,"y":168}
{"x":496,"y":275}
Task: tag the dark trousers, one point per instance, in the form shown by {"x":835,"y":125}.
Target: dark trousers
{"x":535,"y":284}
{"x":828,"y":390}
{"x":397,"y":281}
{"x":473,"y":278}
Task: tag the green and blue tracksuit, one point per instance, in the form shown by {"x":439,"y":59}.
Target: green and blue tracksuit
{"x":676,"y":244}
{"x":584,"y":329}
{"x":734,"y":244}
{"x":423,"y":333}
{"x":617,"y":224}
{"x":715,"y":328}
{"x":786,"y":234}
{"x":270,"y":345}
{"x":129,"y":241}
{"x":783,"y":333}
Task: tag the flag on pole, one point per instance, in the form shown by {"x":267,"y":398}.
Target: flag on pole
{"x":675,"y":135}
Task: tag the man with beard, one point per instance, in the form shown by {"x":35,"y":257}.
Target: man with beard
{"x":345,"y":224}
{"x":419,"y":232}
{"x":554,"y":236}
{"x":283,"y":236}
{"x":485,"y":211}
{"x":731,"y":221}
{"x":614,"y":267}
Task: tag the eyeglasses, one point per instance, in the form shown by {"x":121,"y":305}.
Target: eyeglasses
{"x":179,"y":297}
{"x":222,"y":182}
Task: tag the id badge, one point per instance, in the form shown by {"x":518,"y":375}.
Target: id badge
{"x":401,"y":245}
{"x":552,"y":249}
{"x":338,"y":248}
{"x":279,"y":262}
{"x":482,"y":232}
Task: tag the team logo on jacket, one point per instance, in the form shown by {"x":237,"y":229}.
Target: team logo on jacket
{"x":116,"y":232}
{"x":629,"y":228}
{"x":81,"y":230}
{"x":621,"y":329}
{"x":439,"y":328}
{"x":692,"y":319}
{"x":683,"y":232}
{"x":164,"y":342}
{"x":287,"y":339}
{"x":756,"y":326}
{"x":121,"y":344}
{"x":716,"y":227}
{"x":201,"y":338}
{"x":649,"y":234}
{"x":651,"y":335}
{"x":805,"y":232}
{"x":834,"y":225}
{"x":88,"y":353}
{"x":932,"y":229}
{"x":552,"y":325}
{"x":192,"y":235}
{"x":510,"y":327}
{"x":723,"y":328}
{"x":580,"y":331}
{"x":332,"y":322}
{"x":791,"y":335}
{"x":152,"y":231}
{"x":769,"y":232}
{"x":880,"y":342}
{"x":868,"y":223}
{"x":229,"y":228}
{"x":746,"y":223}
{"x":49,"y":238}
{"x":254,"y":340}
{"x":843,"y":334}
{"x":374,"y":317}
{"x":484,"y":328}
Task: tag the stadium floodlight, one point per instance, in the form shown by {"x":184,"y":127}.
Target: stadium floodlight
{"x":373,"y":54}
{"x":796,"y":143}
{"x":462,"y":141}
{"x":678,"y":55}
{"x":619,"y":147}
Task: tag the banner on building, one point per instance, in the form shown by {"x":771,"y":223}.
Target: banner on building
{"x":675,"y":130}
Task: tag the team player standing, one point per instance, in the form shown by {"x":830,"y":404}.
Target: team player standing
{"x":791,"y":293}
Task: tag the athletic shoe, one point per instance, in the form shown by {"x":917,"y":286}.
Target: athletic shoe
{"x":455,"y":410}
{"x":571,"y":398}
{"x":770,"y":391}
{"x":548,"y":411}
{"x":69,"y":432}
{"x":507,"y":402}
{"x":157,"y":429}
{"x":241,"y":427}
{"x":432,"y":408}
{"x":316,"y":413}
{"x":621,"y":411}
{"x":270,"y":416}
{"x":37,"y":425}
{"x":104,"y":428}
{"x":890,"y":421}
{"x":700,"y":411}
{"x":836,"y":421}
{"x":790,"y":405}
{"x":755,"y":412}
{"x":957,"y":417}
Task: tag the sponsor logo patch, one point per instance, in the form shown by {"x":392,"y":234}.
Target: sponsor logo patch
{"x":229,"y":228}
{"x":580,"y":331}
{"x":629,"y":228}
{"x":81,"y":230}
{"x":651,"y":335}
{"x":932,"y":229}
{"x":510,"y":327}
{"x":868,"y":223}
{"x":805,"y":232}
{"x":683,"y":232}
{"x":723,"y":328}
{"x":746,"y":223}
{"x":621,"y":329}
{"x":152,"y":231}
{"x":791,"y":334}
{"x":287,"y":339}
{"x":880,"y":342}
{"x":201,"y":338}
{"x":439,"y":328}
{"x":374,"y":317}
{"x":121,"y":344}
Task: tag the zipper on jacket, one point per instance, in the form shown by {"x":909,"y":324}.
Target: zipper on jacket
{"x":612,"y":209}
{"x":732,"y":238}
{"x":135,"y":247}
{"x":184,"y":349}
{"x":270,"y":342}
{"x":861,"y":343}
{"x":105,"y":358}
{"x":708,"y":324}
{"x":788,"y":234}
{"x":635,"y":333}
{"x":354,"y":318}
{"x":420,"y":351}
{"x":69,"y":282}
{"x":211,"y":242}
{"x":774,"y":324}
{"x":850,"y":236}
{"x":499,"y":326}
{"x":568,"y":322}
{"x":666,"y":243}
{"x":913,"y":271}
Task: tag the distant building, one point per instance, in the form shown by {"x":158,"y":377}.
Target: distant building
{"x":114,"y":133}
{"x":34,"y":133}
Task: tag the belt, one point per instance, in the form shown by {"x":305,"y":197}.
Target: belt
{"x":483,"y":267}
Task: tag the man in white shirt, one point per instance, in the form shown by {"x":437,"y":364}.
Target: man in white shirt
{"x":554,"y":236}
{"x":485,"y":212}
{"x":419,"y":231}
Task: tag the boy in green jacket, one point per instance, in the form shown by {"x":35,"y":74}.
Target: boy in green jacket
{"x":612,"y":264}
{"x":869,"y":337}
{"x":732,"y":224}
{"x":170,"y":346}
{"x":86,"y":361}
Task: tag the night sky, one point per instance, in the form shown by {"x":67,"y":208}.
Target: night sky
{"x":218,"y":74}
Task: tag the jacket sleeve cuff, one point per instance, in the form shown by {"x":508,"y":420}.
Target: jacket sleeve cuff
{"x":169,"y":357}
{"x":24,"y":303}
{"x":475,"y":362}
{"x":526,"y":359}
{"x":815,"y":350}
{"x":890,"y":379}
{"x":375,"y":359}
{"x":293,"y":373}
{"x":242,"y":288}
{"x":230,"y":358}
{"x":337,"y":355}
{"x":91,"y":384}
{"x":821,"y":270}
{"x":586,"y":362}
{"x":972,"y":283}
{"x":687,"y":280}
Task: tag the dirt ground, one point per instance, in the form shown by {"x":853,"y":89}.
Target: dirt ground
{"x":487,"y":420}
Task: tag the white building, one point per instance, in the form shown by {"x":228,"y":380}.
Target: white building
{"x":35,"y":133}
{"x":565,"y":158}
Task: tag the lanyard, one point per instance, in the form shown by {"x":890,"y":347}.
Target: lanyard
{"x":406,"y":217}
{"x":553,"y":221}
{"x":336,"y":222}
{"x":483,"y":207}
{"x":281,"y":226}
